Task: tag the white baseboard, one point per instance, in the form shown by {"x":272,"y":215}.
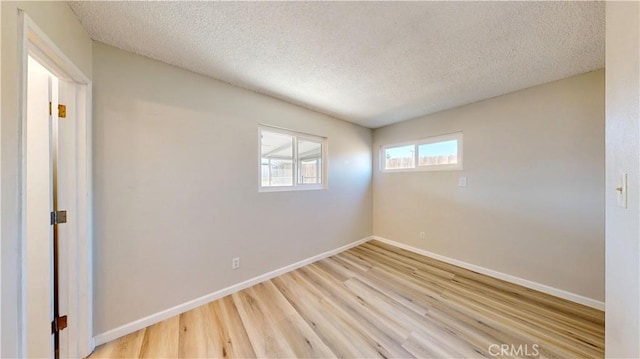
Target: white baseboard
{"x":92,"y":347}
{"x":589,"y":302}
{"x":181,"y":308}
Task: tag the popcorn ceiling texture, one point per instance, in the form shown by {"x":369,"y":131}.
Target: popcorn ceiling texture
{"x":371,"y":63}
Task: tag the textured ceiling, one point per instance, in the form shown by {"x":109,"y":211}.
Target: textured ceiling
{"x":371,"y":63}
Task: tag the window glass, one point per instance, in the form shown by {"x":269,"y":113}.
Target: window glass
{"x":310,"y":158}
{"x":277,"y":159}
{"x":438,"y":153}
{"x":401,"y":157}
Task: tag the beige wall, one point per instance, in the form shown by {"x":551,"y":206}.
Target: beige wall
{"x":59,"y":23}
{"x":176,"y":187}
{"x":623,"y":156}
{"x":534,"y":205}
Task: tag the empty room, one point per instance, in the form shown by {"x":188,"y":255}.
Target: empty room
{"x":202,"y":179}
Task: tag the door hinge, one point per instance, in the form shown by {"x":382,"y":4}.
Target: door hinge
{"x":58,"y":324}
{"x":62,"y":110}
{"x":58,"y":217}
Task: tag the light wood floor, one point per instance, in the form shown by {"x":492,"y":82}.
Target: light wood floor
{"x":374,"y":300}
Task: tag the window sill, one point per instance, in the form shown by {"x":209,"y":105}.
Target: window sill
{"x":426,"y":169}
{"x":292,"y":188}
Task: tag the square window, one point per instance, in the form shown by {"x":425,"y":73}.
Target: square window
{"x":291,"y":160}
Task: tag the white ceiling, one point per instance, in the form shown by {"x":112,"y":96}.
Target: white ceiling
{"x":371,"y":63}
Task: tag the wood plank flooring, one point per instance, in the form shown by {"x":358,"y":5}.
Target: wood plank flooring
{"x":374,"y":300}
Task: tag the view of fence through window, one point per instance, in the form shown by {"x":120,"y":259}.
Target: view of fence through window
{"x":277,"y":172}
{"x":400,"y":157}
{"x":310,"y":158}
{"x":290,"y":160}
{"x":277,"y":159}
{"x":440,"y":152}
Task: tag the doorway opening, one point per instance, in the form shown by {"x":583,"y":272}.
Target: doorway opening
{"x":55,"y":155}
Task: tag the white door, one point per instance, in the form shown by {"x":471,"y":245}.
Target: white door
{"x":39,"y":203}
{"x":65,"y":162}
{"x":48,"y":185}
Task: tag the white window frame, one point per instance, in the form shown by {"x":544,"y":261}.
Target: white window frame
{"x":458,"y":136}
{"x":296,"y":176}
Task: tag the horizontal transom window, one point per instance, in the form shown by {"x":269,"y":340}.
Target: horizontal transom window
{"x":428,"y":154}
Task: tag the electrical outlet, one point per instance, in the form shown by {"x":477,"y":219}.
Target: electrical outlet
{"x":462,"y":182}
{"x":235,"y":263}
{"x":422,"y":235}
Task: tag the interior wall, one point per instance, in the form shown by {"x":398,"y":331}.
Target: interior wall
{"x":0,"y":182}
{"x":61,"y":25}
{"x":534,"y":205}
{"x":623,"y":156}
{"x":176,"y":187}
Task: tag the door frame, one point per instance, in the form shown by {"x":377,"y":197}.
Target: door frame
{"x":32,"y":41}
{"x":0,"y":185}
